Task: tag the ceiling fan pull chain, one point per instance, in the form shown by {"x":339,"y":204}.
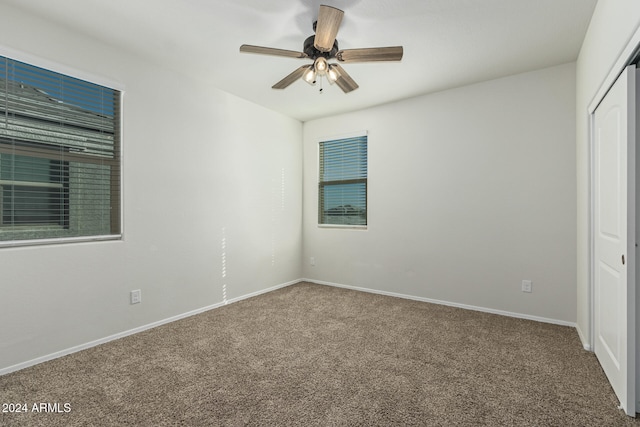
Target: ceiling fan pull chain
{"x":321,"y":91}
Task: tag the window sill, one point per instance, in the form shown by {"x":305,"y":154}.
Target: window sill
{"x":58,"y":241}
{"x":347,"y":227}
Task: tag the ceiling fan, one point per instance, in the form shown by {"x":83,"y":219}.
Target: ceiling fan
{"x":323,"y":47}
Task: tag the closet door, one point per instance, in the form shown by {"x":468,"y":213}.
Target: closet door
{"x":614,"y":237}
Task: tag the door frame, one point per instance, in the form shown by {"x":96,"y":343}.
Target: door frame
{"x":629,"y":55}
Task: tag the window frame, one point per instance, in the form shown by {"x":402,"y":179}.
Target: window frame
{"x":358,"y":227}
{"x":75,"y":73}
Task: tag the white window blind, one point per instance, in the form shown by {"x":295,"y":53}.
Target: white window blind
{"x":342,"y":188}
{"x":59,"y":155}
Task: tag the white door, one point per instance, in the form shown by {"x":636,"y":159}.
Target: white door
{"x":614,"y":241}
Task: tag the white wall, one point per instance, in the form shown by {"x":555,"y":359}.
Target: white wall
{"x":612,"y":25}
{"x":197,"y":161}
{"x":471,"y":191}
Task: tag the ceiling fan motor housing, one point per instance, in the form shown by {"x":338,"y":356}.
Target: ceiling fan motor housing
{"x":314,"y":53}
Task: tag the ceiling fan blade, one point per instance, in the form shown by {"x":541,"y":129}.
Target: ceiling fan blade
{"x":291,"y":77}
{"x":247,"y":48}
{"x":329,"y":19}
{"x":346,"y":83}
{"x":392,"y":53}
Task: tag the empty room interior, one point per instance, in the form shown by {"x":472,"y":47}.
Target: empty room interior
{"x":347,"y":202}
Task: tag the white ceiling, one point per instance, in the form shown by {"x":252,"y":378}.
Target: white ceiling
{"x":447,"y":43}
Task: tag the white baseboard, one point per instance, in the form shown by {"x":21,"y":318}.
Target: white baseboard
{"x":94,"y":343}
{"x":38,"y":360}
{"x":585,"y":342}
{"x":450,"y":304}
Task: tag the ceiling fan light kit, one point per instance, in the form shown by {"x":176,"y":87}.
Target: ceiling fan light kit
{"x":310,"y":76}
{"x":332,"y":74}
{"x":323,"y":47}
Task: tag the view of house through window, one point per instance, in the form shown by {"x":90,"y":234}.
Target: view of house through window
{"x":35,"y":191}
{"x":342,"y":187}
{"x":59,"y":155}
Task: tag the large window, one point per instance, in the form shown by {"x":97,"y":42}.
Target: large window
{"x":59,"y":157}
{"x":342,"y":188}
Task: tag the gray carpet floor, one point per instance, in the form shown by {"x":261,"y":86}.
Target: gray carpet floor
{"x":313,"y":355}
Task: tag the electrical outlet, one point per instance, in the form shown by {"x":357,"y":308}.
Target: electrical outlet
{"x":136,"y":296}
{"x":527,"y":286}
{"x":312,"y":261}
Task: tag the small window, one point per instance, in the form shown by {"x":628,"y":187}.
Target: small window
{"x":342,"y":188}
{"x":59,"y":156}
